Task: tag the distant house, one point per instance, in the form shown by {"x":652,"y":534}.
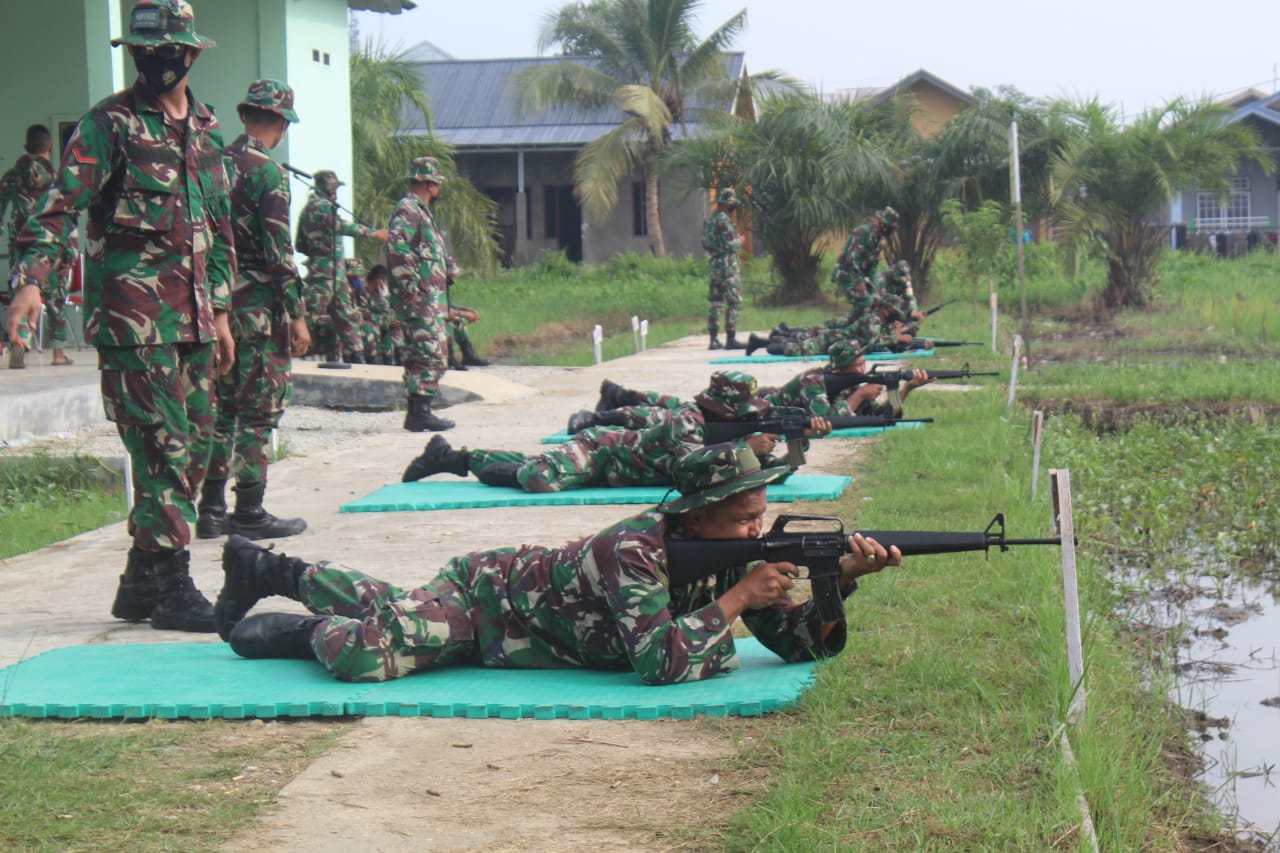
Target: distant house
{"x":526,"y":162}
{"x":937,"y":101}
{"x":1251,"y":209}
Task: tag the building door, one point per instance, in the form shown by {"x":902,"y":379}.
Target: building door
{"x":506,"y":221}
{"x":564,"y":220}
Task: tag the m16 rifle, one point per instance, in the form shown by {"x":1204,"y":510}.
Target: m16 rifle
{"x":792,"y":428}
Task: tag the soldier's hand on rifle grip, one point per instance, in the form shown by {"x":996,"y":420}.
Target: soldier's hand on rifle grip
{"x":767,"y":584}
{"x":761,"y":443}
{"x":863,"y":394}
{"x":818,"y":427}
{"x":865,"y":557}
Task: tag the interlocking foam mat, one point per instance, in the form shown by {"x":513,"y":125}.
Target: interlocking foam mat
{"x":852,"y":432}
{"x":208,"y":680}
{"x":871,"y":356}
{"x":428,"y":495}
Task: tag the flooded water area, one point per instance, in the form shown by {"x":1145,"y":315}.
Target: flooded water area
{"x":1226,"y":670}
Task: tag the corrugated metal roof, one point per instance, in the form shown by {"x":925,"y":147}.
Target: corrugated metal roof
{"x":474,"y":104}
{"x":391,"y":7}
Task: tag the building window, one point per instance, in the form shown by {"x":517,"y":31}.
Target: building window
{"x":639,"y":213}
{"x":1231,"y":212}
{"x":555,"y":201}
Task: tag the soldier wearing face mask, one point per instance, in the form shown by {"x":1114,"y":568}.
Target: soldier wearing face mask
{"x":147,"y":164}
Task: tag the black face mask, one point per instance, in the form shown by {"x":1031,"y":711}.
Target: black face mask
{"x":161,"y":74}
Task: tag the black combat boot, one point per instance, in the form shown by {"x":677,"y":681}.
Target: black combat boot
{"x":183,"y":607}
{"x":420,"y":419}
{"x":776,"y":346}
{"x":780,"y":330}
{"x":732,"y":341}
{"x":138,"y":592}
{"x":437,"y":458}
{"x":356,"y":357}
{"x":455,"y":363}
{"x":275,"y":635}
{"x":715,"y":341}
{"x":470,"y":356}
{"x":579,"y":421}
{"x":754,"y":342}
{"x":212,"y":521}
{"x":252,"y":521}
{"x":615,"y":396}
{"x":250,"y":574}
{"x":500,"y":474}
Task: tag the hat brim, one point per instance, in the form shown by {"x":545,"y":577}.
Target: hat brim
{"x":725,"y":489}
{"x":288,"y":115}
{"x":146,"y":40}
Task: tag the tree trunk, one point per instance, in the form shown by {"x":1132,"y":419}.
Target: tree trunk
{"x":656,"y":244}
{"x":1134,"y":250}
{"x":798,"y":266}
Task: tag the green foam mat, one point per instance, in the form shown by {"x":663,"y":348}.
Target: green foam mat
{"x":207,"y":680}
{"x":852,"y":432}
{"x":871,"y":356}
{"x":429,"y":495}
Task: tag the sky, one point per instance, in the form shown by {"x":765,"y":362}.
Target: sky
{"x":1132,"y":54}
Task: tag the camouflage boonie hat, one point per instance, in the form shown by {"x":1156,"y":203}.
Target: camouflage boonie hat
{"x":845,"y":353}
{"x":272,"y":96}
{"x":156,"y":22}
{"x":427,"y":169}
{"x":888,"y":216}
{"x":327,"y":179}
{"x":355,"y":267}
{"x":715,"y":473}
{"x":731,"y":396}
{"x":727,"y":197}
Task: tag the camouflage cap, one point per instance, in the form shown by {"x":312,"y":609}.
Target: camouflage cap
{"x":727,"y":198}
{"x":893,"y":311}
{"x":272,"y":96}
{"x":888,"y":216}
{"x":355,"y":267}
{"x":844,"y":354}
{"x":427,"y":169}
{"x":157,"y":22}
{"x":716,"y":472}
{"x":731,"y":396}
{"x":327,"y":179}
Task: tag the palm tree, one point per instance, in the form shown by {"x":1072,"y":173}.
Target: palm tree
{"x":1112,"y":178}
{"x":806,"y":169}
{"x":385,"y":88}
{"x":643,"y":56}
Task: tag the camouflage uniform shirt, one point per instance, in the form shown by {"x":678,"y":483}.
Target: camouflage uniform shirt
{"x":722,"y":243}
{"x":267,"y":276}
{"x":320,"y":230}
{"x":28,"y":180}
{"x":856,"y":266}
{"x":160,"y":250}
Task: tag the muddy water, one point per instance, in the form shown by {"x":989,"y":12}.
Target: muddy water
{"x":1228,"y":670}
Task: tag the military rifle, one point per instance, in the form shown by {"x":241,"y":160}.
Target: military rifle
{"x":690,"y":560}
{"x":935,"y":309}
{"x":792,"y":428}
{"x":839,"y":382}
{"x":921,"y":344}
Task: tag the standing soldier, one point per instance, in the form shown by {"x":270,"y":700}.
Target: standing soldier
{"x":854,"y":275}
{"x":331,"y":315}
{"x":24,"y":185}
{"x":419,"y":275}
{"x":267,"y":323}
{"x":722,"y":243}
{"x":358,"y":285}
{"x":147,"y":163}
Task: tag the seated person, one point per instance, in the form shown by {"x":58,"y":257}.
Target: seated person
{"x":601,"y":602}
{"x":641,"y":452}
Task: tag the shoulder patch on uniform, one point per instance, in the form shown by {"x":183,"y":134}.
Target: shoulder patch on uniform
{"x":81,"y":157}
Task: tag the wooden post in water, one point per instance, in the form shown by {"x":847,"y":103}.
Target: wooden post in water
{"x":1013,"y":372}
{"x":1037,"y":430}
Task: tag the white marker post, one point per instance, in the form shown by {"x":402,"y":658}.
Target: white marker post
{"x":1037,"y":431}
{"x":644,"y":335}
{"x":1013,"y":373}
{"x":635,"y":331}
{"x":995,"y":316}
{"x":597,"y":337}
{"x":128,"y":481}
{"x":1064,"y":525}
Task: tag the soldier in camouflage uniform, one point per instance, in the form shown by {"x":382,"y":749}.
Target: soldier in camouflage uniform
{"x":636,"y":446}
{"x":602,"y":602}
{"x":23,"y":186}
{"x":854,"y":274}
{"x":331,"y":315}
{"x":359,"y":287}
{"x":147,"y":163}
{"x":808,"y":390}
{"x":267,"y":321}
{"x":388,"y":339}
{"x":721,"y":241}
{"x":895,"y":283}
{"x":459,"y":318}
{"x":419,"y":293}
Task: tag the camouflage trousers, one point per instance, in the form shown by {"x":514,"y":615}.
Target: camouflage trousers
{"x":332,"y":316}
{"x":55,"y":312}
{"x":378,"y":631}
{"x":161,"y":401}
{"x":853,"y":287}
{"x":815,"y":341}
{"x":458,"y":331}
{"x":595,"y":457}
{"x":426,"y":346}
{"x":725,"y":295}
{"x":251,"y":398}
